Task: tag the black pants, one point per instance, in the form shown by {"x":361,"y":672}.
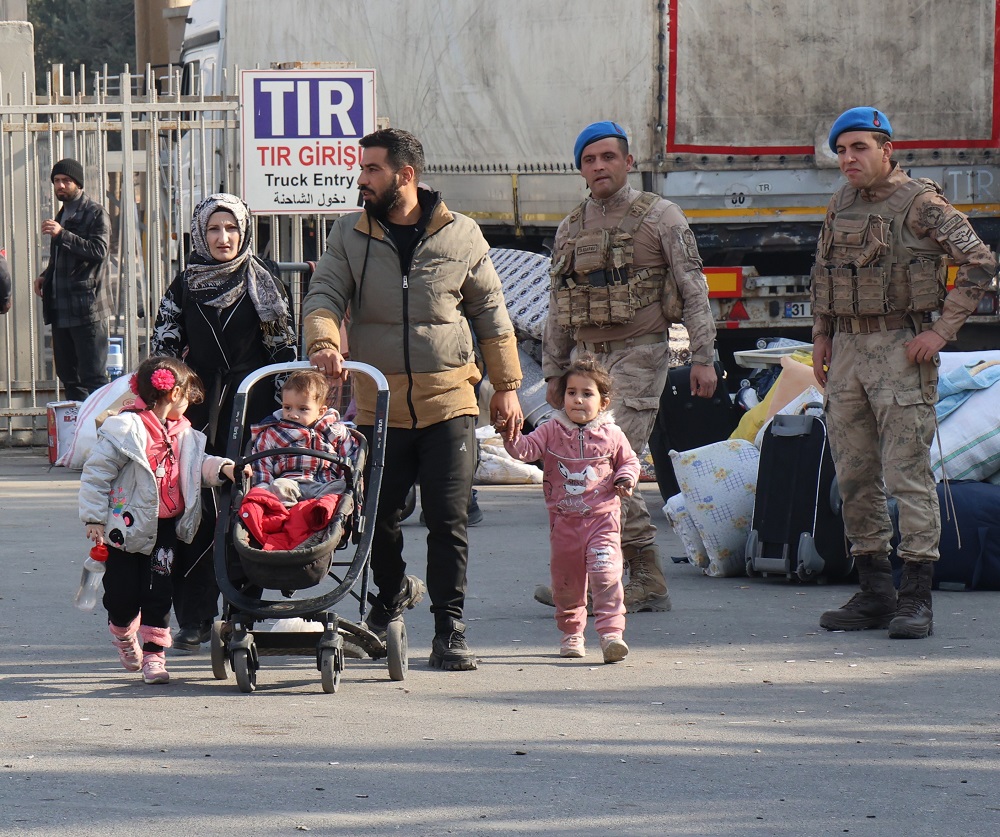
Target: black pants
{"x":134,"y":582}
{"x":196,"y":592}
{"x":81,"y":356}
{"x":441,"y":458}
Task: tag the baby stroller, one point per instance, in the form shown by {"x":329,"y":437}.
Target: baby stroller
{"x":245,"y":571}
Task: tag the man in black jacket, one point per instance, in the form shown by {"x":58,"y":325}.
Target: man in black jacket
{"x":74,"y":287}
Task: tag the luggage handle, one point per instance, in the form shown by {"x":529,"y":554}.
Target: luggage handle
{"x":797,"y":424}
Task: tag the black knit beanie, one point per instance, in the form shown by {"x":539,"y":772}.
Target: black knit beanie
{"x":69,"y":167}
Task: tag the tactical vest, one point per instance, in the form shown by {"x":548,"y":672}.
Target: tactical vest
{"x":593,"y":277}
{"x":869,"y":262}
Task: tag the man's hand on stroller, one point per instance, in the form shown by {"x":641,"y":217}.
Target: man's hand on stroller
{"x":331,"y":363}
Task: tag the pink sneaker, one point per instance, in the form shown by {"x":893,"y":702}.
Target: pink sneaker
{"x":614,"y":648}
{"x":572,"y":645}
{"x":154,"y":669}
{"x":129,"y":652}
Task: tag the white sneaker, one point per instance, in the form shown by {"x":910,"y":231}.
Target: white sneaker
{"x":572,"y":645}
{"x":614,"y":648}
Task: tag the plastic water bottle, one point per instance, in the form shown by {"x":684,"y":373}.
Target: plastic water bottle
{"x":116,"y":363}
{"x":90,"y":580}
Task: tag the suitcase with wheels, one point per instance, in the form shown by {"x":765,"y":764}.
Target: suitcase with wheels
{"x":686,"y":421}
{"x":797,"y":528}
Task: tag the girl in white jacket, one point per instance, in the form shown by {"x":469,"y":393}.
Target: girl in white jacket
{"x":139,"y":494}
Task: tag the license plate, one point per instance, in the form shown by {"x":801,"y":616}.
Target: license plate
{"x":798,"y":310}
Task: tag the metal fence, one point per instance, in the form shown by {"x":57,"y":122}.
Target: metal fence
{"x":150,"y":153}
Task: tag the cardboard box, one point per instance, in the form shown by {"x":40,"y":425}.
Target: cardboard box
{"x":62,"y":425}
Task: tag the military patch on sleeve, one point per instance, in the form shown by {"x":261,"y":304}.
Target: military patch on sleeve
{"x":690,"y":244}
{"x":931,"y":215}
{"x":950,"y":224}
{"x":963,"y":236}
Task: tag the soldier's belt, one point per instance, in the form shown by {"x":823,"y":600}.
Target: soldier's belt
{"x":617,"y":345}
{"x":872,"y":325}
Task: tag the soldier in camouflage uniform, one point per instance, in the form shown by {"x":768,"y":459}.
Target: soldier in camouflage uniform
{"x":625,"y":266}
{"x":880,"y":277}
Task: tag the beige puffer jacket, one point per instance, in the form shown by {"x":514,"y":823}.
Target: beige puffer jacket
{"x":417,"y":330}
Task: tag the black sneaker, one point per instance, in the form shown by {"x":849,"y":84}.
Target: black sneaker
{"x":410,"y":593}
{"x":450,"y":652}
{"x":191,"y":639}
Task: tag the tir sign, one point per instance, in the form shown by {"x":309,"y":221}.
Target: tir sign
{"x":307,"y":109}
{"x":300,"y":132}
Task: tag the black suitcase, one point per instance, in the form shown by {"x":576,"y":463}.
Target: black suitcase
{"x":797,"y":528}
{"x":686,"y":421}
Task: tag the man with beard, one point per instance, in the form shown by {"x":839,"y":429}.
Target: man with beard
{"x":419,"y":284}
{"x":74,"y":287}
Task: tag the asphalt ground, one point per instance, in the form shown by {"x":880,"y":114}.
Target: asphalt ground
{"x":735,"y":714}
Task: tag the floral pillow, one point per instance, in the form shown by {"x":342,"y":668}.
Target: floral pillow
{"x":719,"y":482}
{"x":680,"y":521}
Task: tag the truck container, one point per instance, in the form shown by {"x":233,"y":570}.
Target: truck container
{"x":727,"y":105}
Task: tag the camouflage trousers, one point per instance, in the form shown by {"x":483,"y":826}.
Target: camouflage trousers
{"x":639,"y":374}
{"x":880,"y":418}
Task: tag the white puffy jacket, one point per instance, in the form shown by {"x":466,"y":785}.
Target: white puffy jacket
{"x":119,"y":490}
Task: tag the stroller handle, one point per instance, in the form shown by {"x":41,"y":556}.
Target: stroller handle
{"x":349,"y":365}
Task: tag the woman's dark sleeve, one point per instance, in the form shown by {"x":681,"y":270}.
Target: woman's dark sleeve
{"x":169,"y":334}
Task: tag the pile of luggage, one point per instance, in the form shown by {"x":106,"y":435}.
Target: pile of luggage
{"x":773,"y":508}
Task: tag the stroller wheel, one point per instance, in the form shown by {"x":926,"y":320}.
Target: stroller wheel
{"x":331,"y":665}
{"x":246,"y":673}
{"x":396,"y":649}
{"x":220,"y":669}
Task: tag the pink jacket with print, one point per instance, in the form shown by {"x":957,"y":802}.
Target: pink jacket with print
{"x":581,"y":463}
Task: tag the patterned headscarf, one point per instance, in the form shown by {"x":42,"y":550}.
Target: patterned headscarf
{"x":220,"y":284}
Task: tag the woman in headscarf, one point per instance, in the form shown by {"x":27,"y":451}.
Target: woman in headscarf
{"x":225,"y":316}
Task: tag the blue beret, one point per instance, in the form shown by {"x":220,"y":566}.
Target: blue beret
{"x":859,"y":119}
{"x":594,"y":132}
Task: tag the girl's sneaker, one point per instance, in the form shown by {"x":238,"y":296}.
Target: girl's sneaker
{"x":154,"y":669}
{"x":572,"y":645}
{"x":129,"y":651}
{"x":614,"y":648}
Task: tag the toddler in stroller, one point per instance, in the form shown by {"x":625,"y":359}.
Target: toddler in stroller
{"x":295,"y":494}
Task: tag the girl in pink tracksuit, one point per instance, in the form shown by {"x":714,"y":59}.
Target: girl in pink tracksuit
{"x":588,"y":466}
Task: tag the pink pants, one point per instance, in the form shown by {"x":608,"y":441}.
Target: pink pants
{"x":587,"y":550}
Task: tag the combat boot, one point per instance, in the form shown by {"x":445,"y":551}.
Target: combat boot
{"x":543,"y":595}
{"x":872,"y":607}
{"x":914,"y":618}
{"x":647,"y":588}
{"x":411,"y":591}
{"x":449,"y":650}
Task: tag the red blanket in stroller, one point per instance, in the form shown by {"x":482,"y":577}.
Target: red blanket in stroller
{"x":278,"y":528}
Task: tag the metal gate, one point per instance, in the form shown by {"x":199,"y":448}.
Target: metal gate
{"x":149,"y":155}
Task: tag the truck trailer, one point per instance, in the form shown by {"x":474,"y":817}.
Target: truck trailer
{"x":727,"y":105}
